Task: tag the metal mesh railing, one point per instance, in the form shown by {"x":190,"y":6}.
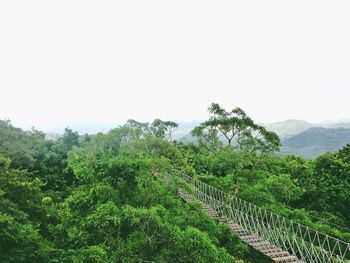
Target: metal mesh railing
{"x":307,"y":244}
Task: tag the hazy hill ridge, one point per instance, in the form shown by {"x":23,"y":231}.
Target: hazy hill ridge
{"x":315,"y":141}
{"x":289,"y":128}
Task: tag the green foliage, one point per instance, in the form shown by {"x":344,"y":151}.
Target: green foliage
{"x":20,"y":212}
{"x":158,"y":128}
{"x":328,"y":187}
{"x":315,"y":193}
{"x":102,"y":198}
{"x":92,"y":254}
{"x":240,"y":132}
{"x":163,"y":129}
{"x":51,"y":162}
{"x":21,"y":146}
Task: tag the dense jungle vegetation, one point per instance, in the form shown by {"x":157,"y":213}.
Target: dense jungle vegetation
{"x":98,"y":198}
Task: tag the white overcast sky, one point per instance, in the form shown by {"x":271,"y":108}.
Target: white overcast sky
{"x":66,"y":62}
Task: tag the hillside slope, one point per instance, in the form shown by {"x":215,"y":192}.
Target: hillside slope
{"x":315,"y":141}
{"x":288,"y":128}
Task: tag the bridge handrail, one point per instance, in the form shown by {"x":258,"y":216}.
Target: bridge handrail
{"x":308,"y":244}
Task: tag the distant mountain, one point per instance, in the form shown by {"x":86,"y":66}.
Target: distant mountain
{"x":183,"y":131}
{"x":336,"y":125}
{"x":288,"y":128}
{"x":315,"y":141}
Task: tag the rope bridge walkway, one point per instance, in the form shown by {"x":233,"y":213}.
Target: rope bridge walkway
{"x":275,"y":236}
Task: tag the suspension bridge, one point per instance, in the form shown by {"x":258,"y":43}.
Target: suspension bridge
{"x":280,"y":239}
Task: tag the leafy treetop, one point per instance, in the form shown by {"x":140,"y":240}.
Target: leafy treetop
{"x":238,"y":129}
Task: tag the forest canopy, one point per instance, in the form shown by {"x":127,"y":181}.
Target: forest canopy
{"x":100,"y":198}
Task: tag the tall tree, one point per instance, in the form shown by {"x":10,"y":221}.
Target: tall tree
{"x":163,"y":129}
{"x":237,"y":129}
{"x":138,"y":129}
